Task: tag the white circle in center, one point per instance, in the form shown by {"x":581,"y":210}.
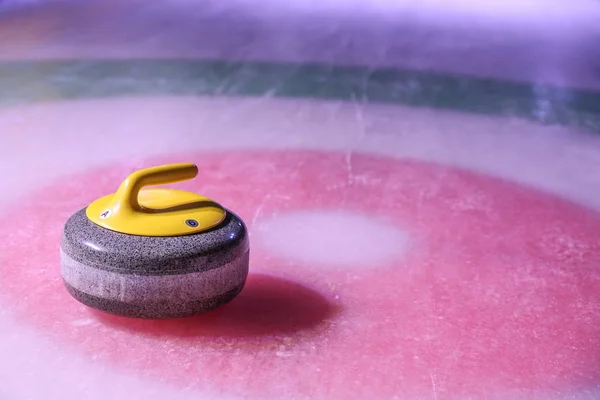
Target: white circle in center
{"x":332,"y":237}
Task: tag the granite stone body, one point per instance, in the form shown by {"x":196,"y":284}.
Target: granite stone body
{"x":154,"y":277}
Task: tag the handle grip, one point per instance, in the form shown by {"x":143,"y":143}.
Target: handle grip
{"x":127,"y":194}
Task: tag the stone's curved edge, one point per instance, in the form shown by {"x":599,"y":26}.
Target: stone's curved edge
{"x":157,"y":296}
{"x":22,"y":82}
{"x":103,"y":249}
{"x":161,"y":311}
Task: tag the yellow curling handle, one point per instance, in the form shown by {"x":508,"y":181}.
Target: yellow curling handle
{"x":156,"y":212}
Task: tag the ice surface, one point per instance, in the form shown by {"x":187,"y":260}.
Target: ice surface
{"x":343,"y":239}
{"x":473,"y":282}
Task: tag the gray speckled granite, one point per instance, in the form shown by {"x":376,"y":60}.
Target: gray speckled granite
{"x":154,"y":296}
{"x":93,"y":245}
{"x":154,"y":288}
{"x":156,"y":310}
{"x":154,"y":277}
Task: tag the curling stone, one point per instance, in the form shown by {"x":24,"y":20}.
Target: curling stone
{"x":154,"y":253}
